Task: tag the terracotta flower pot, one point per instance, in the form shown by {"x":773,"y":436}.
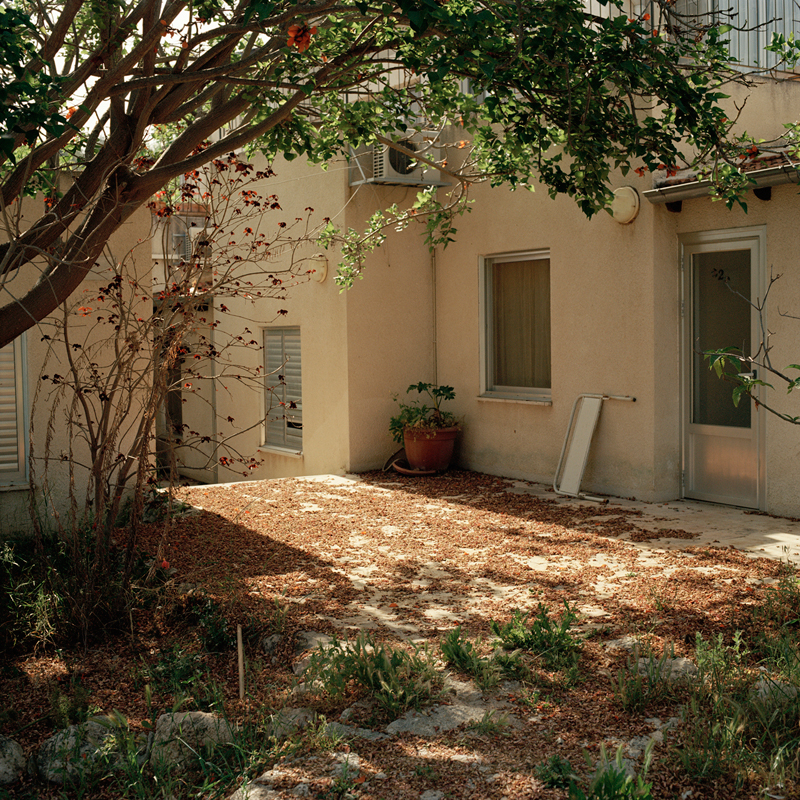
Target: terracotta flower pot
{"x":431,"y":448}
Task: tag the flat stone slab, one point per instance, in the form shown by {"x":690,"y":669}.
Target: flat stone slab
{"x":467,"y":705}
{"x":675,"y":669}
{"x":353,"y":732}
{"x":773,"y":693}
{"x":255,"y":791}
{"x":311,"y":640}
{"x":623,"y":643}
{"x":346,"y":765}
{"x":290,"y":720}
{"x":12,"y":761}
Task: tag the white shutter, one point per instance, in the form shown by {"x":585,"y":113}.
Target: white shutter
{"x":12,"y":427}
{"x":759,"y":18}
{"x":181,"y":246}
{"x":282,"y":358}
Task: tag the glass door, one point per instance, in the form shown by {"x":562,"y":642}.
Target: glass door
{"x":722,"y":442}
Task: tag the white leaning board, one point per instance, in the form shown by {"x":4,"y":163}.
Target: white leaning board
{"x":578,"y":452}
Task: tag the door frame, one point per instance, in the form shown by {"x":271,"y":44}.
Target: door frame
{"x":727,"y":238}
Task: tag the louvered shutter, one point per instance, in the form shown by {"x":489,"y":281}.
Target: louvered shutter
{"x":12,"y":429}
{"x":758,"y":19}
{"x":181,"y":246}
{"x":282,"y":358}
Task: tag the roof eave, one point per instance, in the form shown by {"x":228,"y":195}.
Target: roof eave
{"x":772,"y":176}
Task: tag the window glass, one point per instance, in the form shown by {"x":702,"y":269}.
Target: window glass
{"x":518,"y":325}
{"x":720,"y":319}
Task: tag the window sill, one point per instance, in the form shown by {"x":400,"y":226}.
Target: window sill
{"x":14,"y":487}
{"x":534,"y":401}
{"x":279,"y":451}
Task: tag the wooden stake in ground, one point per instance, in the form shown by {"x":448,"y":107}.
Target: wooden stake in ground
{"x":240,"y":648}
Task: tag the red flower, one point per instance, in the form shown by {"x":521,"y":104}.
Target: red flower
{"x":300,"y":37}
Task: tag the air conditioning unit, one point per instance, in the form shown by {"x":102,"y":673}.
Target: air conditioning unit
{"x":383,"y":164}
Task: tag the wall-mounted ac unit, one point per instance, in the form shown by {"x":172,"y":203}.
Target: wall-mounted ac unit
{"x":383,"y":164}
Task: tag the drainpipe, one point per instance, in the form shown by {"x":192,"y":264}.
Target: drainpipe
{"x":434,"y":331}
{"x":212,"y":336}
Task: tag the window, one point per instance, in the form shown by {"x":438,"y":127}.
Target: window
{"x":755,"y":23}
{"x":517,"y":326}
{"x":12,"y":425}
{"x":284,"y":400}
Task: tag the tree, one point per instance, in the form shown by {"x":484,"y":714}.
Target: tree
{"x":119,"y":349}
{"x":740,"y":368}
{"x":106,"y":103}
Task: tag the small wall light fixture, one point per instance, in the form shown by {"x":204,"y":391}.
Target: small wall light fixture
{"x":319,"y":263}
{"x":625,"y":205}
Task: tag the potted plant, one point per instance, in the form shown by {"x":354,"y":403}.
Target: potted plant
{"x":426,"y":431}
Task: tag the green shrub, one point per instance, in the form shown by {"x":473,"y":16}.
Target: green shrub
{"x":612,"y":782}
{"x":548,"y":638}
{"x":29,"y":607}
{"x":512,"y":664}
{"x":397,"y":679}
{"x":556,"y":772}
{"x":644,"y":680}
{"x":460,"y":653}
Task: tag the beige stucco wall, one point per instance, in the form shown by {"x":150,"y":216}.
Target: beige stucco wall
{"x":320,"y":311}
{"x":131,"y":243}
{"x":359,"y":347}
{"x":615,"y":294}
{"x":603,"y":335}
{"x":616,"y":329}
{"x":390,"y":329}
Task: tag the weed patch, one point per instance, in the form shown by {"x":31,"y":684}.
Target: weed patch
{"x":491,"y":724}
{"x":29,"y":611}
{"x":555,"y":772}
{"x":612,"y":781}
{"x":644,"y":680}
{"x":184,"y":677}
{"x":397,"y":679}
{"x":739,"y":721}
{"x":547,"y":637}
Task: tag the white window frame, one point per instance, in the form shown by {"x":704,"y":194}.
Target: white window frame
{"x":286,"y":443}
{"x":541,"y":395}
{"x":11,"y":477}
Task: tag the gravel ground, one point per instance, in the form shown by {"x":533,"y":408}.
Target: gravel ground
{"x":408,"y":559}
